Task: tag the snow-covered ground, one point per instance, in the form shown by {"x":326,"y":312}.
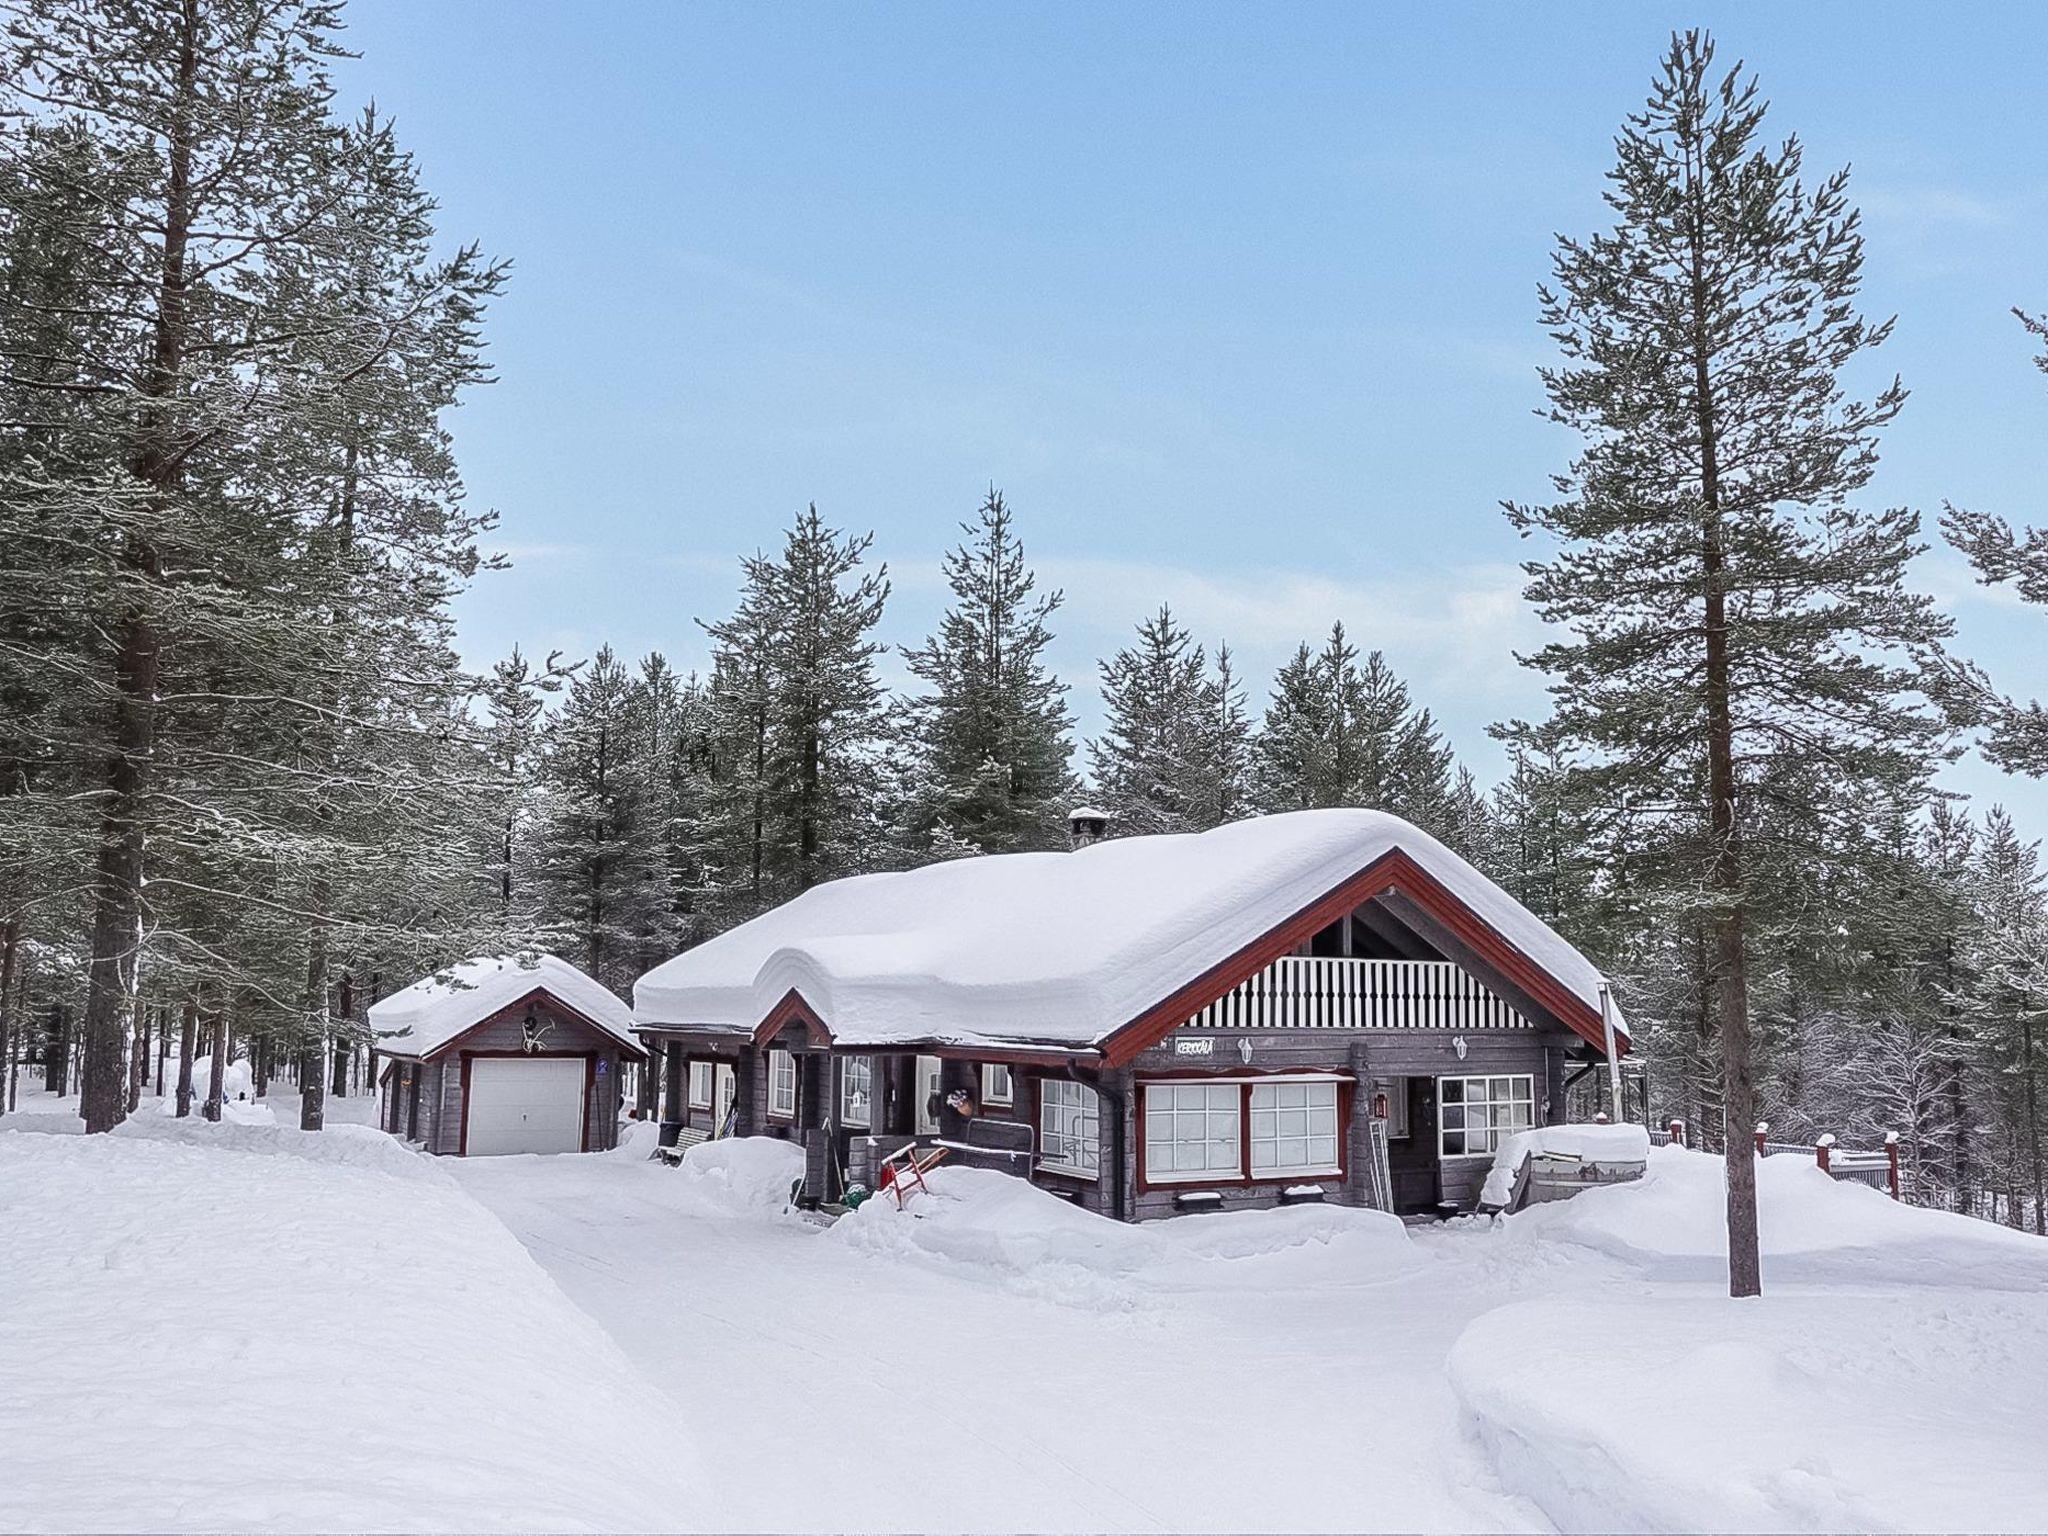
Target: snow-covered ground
{"x":988,"y":1360}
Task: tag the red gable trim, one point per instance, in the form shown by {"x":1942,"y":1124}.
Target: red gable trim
{"x":1392,"y":871}
{"x":791,"y":1010}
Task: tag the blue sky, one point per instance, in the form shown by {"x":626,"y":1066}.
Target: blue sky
{"x":1237,"y":304}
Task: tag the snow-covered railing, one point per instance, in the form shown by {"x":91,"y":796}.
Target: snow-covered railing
{"x":1317,"y":992}
{"x":1879,"y":1169}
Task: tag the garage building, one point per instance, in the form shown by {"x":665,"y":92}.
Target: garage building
{"x":514,"y":1053}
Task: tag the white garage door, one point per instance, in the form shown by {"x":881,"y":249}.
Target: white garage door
{"x":525,"y":1104}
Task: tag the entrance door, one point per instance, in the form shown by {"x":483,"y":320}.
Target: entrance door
{"x":525,"y":1104}
{"x":927,"y":1095}
{"x":724,"y":1092}
{"x":1413,"y":1159}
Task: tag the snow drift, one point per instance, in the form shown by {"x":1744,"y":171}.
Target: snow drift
{"x":1837,"y":1401}
{"x":1007,"y":1232}
{"x":741,"y":1175}
{"x":187,"y":1302}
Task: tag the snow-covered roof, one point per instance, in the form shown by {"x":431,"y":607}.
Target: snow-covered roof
{"x":1057,"y":949}
{"x":436,"y":1009}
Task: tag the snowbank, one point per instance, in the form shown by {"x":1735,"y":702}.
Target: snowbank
{"x":741,"y":1175}
{"x":185,"y":1302}
{"x":1057,"y":948}
{"x":1588,"y":1143}
{"x":1807,"y":1412}
{"x":1677,"y":1210}
{"x":1006,"y":1231}
{"x":341,"y":1145}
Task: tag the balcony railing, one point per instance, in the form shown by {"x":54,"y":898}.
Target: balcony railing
{"x":1304,"y":992}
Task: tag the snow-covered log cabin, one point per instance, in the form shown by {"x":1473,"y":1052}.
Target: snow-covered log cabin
{"x":1320,"y":1005}
{"x":514,"y":1053}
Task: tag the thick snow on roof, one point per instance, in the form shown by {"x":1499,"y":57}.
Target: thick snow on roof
{"x":433,"y":1011}
{"x":1057,"y":949}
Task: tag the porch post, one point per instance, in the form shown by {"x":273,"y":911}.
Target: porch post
{"x":1613,"y":1056}
{"x":672,"y":1074}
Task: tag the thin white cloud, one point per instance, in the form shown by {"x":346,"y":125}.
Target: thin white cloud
{"x":1453,"y":632}
{"x":1929,"y":207}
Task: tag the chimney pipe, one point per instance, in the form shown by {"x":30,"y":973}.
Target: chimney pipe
{"x":1085,"y":825}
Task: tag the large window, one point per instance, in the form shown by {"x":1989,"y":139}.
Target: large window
{"x":1194,"y":1132}
{"x":856,"y":1089}
{"x":782,"y":1084}
{"x":1294,"y":1130}
{"x":1476,"y":1113}
{"x":1069,"y":1129}
{"x":1214,"y":1133}
{"x":700,"y":1085}
{"x":995,"y":1086}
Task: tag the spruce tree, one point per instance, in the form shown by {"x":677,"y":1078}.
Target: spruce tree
{"x":1151,"y":765}
{"x":1729,"y":612}
{"x":796,"y":723}
{"x":992,"y":732}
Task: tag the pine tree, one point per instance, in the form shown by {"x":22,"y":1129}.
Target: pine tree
{"x":2018,"y":735}
{"x":255,"y":527}
{"x":1729,"y":611}
{"x":993,"y":732}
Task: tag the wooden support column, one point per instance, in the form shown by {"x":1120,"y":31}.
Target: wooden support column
{"x":675,"y":1075}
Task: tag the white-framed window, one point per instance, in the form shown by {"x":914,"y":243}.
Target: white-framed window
{"x":856,"y":1089}
{"x":1194,"y":1132}
{"x":1475,"y":1113}
{"x":996,"y":1088}
{"x":1294,"y":1130}
{"x":1069,"y":1127}
{"x":700,"y":1085}
{"x":782,"y":1084}
{"x":1396,"y":1090}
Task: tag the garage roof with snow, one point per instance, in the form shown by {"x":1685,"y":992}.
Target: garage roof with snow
{"x":1062,"y":950}
{"x":434,"y":1012}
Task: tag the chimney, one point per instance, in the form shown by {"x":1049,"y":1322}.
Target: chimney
{"x":1085,"y":825}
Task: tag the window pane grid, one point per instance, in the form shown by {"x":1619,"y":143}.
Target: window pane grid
{"x":1193,"y":1132}
{"x":1478,"y":1113}
{"x":1069,"y":1128}
{"x":781,"y":1083}
{"x":856,"y":1087}
{"x":1294,"y":1128}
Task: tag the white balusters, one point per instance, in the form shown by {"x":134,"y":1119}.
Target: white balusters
{"x":1326,"y":992}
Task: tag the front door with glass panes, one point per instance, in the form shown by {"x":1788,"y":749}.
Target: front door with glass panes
{"x":927,"y":1096}
{"x":724,"y":1090}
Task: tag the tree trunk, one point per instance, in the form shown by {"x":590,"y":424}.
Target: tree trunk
{"x":163,"y":1046}
{"x":2033,"y":1126}
{"x":138,"y":1063}
{"x":1724,"y":876}
{"x":188,"y":1026}
{"x":216,"y":1082}
{"x":117,"y":888}
{"x":312,"y":1077}
{"x":259,"y":1066}
{"x":344,"y":1047}
{"x":56,"y":1052}
{"x":10,"y":938}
